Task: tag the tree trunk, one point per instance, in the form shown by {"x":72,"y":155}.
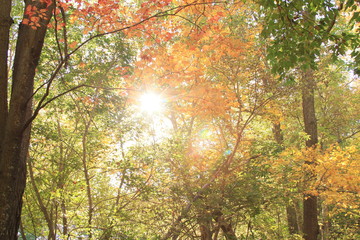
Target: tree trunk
{"x":14,"y":142}
{"x":325,"y":229}
{"x":204,"y":220}
{"x":87,"y":178}
{"x":292,"y":218}
{"x":205,"y":232}
{"x":61,"y":183}
{"x":291,"y":213}
{"x":310,"y":225}
{"x":5,"y":24}
{"x":278,"y":135}
{"x":225,"y":225}
{"x":41,"y":204}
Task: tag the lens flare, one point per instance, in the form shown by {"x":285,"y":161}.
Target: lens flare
{"x":151,"y":103}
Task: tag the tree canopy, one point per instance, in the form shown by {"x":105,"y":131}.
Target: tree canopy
{"x":178,"y":119}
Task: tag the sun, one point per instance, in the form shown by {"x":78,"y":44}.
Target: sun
{"x":151,"y":103}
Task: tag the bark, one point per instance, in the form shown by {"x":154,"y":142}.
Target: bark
{"x":22,"y":232}
{"x":64,"y":218}
{"x":325,"y":229}
{"x":228,"y":231}
{"x":205,"y":232}
{"x":61,"y":182}
{"x":310,"y":224}
{"x":292,"y":219}
{"x":278,"y":135}
{"x":15,"y":139}
{"x":87,"y":178}
{"x":5,"y":24}
{"x":308,"y":104}
{"x":175,"y":229}
{"x":204,"y":220}
{"x":226,"y":226}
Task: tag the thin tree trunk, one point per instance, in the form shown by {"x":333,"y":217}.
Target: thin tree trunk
{"x":205,"y":232}
{"x":216,"y":232}
{"x":325,"y":229}
{"x":61,"y":182}
{"x":310,"y":225}
{"x":226,"y":226}
{"x":15,"y":139}
{"x":42,"y":206}
{"x":228,"y":231}
{"x":278,"y":135}
{"x":204,"y":220}
{"x":22,"y":231}
{"x":291,"y":213}
{"x":87,"y":178}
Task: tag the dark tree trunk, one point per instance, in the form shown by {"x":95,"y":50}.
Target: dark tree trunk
{"x":310,"y":225}
{"x":14,"y":142}
{"x":278,"y":135}
{"x":292,"y":218}
{"x":5,"y":24}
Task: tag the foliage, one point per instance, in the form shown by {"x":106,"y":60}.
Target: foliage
{"x":299,"y":29}
{"x":224,"y":158}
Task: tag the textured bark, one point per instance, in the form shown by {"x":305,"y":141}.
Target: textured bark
{"x":310,"y":225}
{"x":5,"y":24}
{"x":15,"y":139}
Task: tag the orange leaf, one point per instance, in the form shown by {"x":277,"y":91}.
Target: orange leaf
{"x":73,"y":44}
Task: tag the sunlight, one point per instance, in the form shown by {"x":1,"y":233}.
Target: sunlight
{"x":151,"y":103}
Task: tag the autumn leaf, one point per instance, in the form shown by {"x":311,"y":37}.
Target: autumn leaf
{"x":73,"y":44}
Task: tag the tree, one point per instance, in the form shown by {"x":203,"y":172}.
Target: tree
{"x":206,"y":58}
{"x":214,"y":82}
{"x":299,"y":30}
{"x":326,"y":102}
{"x":16,"y":109}
{"x":15,"y":134}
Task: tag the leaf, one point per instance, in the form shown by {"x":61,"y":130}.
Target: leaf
{"x":73,"y":44}
{"x":25,"y":21}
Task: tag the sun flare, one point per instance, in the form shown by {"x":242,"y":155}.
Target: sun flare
{"x":151,"y":103}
